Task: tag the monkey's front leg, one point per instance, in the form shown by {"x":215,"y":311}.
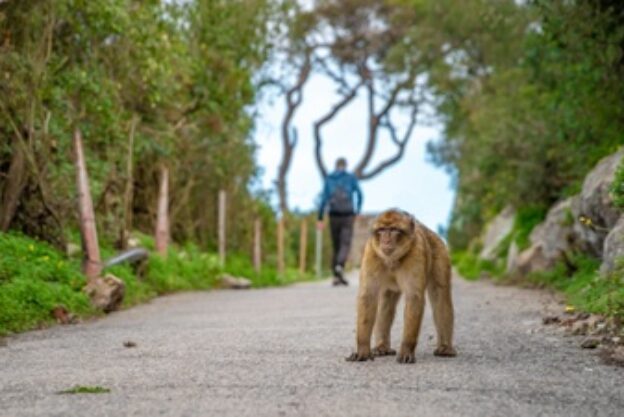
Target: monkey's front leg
{"x":414,"y":307}
{"x":366,"y":311}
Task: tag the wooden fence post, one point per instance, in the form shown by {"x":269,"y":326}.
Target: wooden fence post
{"x":162,"y":214}
{"x":280,"y":245}
{"x":222,"y":241}
{"x":303,"y":246}
{"x":126,"y":226}
{"x":92,"y":265}
{"x":319,"y":253}
{"x":257,"y":254}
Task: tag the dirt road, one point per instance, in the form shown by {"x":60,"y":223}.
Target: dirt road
{"x":280,"y":352}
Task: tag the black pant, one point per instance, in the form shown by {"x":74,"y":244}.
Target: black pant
{"x":341,"y":227}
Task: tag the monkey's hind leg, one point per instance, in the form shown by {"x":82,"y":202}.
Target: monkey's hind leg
{"x":385,"y":316}
{"x":443,"y":317}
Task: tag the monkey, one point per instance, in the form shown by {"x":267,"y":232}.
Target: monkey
{"x":402,"y":256}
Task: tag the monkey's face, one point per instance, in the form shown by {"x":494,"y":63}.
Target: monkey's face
{"x":392,"y":232}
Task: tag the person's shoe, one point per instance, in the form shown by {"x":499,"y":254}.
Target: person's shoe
{"x":339,"y":273}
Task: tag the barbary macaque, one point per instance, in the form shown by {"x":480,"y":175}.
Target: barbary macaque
{"x":402,"y":256}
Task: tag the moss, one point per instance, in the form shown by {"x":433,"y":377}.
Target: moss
{"x":81,"y":389}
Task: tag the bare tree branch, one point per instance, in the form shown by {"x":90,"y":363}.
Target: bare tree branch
{"x":294,"y":97}
{"x":318,"y":125}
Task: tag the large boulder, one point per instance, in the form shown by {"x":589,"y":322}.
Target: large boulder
{"x":550,"y":241}
{"x":106,"y":292}
{"x":613,"y":251}
{"x":495,"y":233}
{"x":594,"y":207}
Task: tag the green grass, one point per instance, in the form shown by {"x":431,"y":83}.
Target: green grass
{"x":35,"y":278}
{"x":80,"y":389}
{"x":471,"y":267}
{"x":526,"y":219}
{"x":584,"y":287}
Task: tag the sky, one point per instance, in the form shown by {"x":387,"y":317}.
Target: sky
{"x":413,"y":184}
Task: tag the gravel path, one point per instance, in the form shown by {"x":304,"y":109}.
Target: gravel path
{"x":280,"y":352}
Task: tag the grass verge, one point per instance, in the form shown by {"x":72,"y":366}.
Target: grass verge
{"x":35,"y":278}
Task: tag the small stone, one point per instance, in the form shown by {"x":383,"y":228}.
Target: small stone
{"x":579,"y":328}
{"x":234,"y":283}
{"x":62,"y":316}
{"x":590,"y":343}
{"x":550,"y":320}
{"x":71,"y":249}
{"x":129,"y":344}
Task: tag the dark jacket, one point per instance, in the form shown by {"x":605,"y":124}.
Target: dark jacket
{"x":344,"y":182}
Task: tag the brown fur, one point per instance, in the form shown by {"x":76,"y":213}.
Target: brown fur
{"x":402,"y":256}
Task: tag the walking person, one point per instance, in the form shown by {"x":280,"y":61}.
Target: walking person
{"x":343,"y":198}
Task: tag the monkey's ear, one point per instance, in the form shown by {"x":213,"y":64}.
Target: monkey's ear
{"x":412,"y":222}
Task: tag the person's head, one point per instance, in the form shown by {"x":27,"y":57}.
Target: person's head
{"x":341,"y":164}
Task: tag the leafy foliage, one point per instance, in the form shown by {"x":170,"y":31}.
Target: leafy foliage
{"x":35,"y":278}
{"x":585,"y":288}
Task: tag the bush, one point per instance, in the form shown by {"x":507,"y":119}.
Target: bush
{"x":584,"y":287}
{"x":35,"y":278}
{"x":471,"y":267}
{"x":617,"y":187}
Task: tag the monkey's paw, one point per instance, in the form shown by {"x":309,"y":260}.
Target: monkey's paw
{"x":445,"y":351}
{"x":406,"y":358}
{"x":360,"y":357}
{"x":383,"y":351}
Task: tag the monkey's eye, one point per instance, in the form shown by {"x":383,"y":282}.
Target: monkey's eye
{"x":395,"y":231}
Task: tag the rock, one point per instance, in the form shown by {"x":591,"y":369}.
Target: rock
{"x":512,"y":258}
{"x":496,"y":231}
{"x":235,"y":283}
{"x":591,"y":342}
{"x":613,"y":356}
{"x":613,"y":249}
{"x":71,"y":249}
{"x":550,"y":240}
{"x":62,"y":315}
{"x":579,"y":328}
{"x":531,"y":260}
{"x":550,"y":320}
{"x":106,"y":292}
{"x":134,"y":242}
{"x":129,"y":344}
{"x":596,"y":205}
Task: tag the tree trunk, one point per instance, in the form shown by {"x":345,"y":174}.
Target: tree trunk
{"x":303,"y":246}
{"x":257,"y":253}
{"x":162,"y":215}
{"x":126,"y":226}
{"x":222,"y":238}
{"x":92,"y":265}
{"x":280,"y":245}
{"x":14,"y":185}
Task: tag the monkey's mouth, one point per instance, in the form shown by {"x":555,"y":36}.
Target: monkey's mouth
{"x":387,"y":250}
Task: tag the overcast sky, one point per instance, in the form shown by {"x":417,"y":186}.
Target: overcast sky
{"x":413,"y":184}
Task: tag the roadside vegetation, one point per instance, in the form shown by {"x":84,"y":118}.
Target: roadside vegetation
{"x":36,"y":278}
